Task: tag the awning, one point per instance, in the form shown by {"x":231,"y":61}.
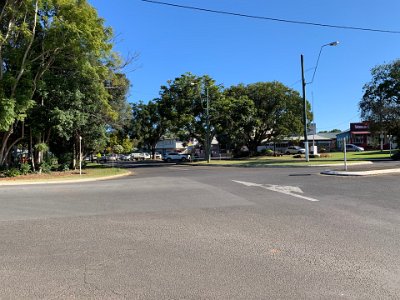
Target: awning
{"x":360,"y":132}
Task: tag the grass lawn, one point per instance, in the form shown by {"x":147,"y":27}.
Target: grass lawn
{"x":91,"y":171}
{"x":289,"y":160}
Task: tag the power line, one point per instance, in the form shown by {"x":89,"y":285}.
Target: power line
{"x":272,"y":19}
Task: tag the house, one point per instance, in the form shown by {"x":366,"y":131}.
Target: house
{"x":170,"y":145}
{"x":324,"y":142}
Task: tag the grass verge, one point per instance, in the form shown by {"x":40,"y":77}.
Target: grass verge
{"x":291,"y":160}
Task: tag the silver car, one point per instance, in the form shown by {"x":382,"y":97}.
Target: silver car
{"x":295,"y":150}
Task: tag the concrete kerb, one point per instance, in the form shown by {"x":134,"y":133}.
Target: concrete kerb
{"x":28,"y":182}
{"x":362,"y":173}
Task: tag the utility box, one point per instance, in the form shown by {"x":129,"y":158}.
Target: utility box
{"x":314,"y":149}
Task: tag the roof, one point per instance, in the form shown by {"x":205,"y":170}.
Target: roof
{"x":330,"y":135}
{"x":316,"y":137}
{"x":360,"y":132}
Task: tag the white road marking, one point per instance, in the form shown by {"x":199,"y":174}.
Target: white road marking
{"x":284,"y":189}
{"x":178,"y":168}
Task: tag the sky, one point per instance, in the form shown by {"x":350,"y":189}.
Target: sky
{"x":171,"y":41}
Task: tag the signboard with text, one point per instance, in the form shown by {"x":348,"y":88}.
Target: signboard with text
{"x":364,"y":126}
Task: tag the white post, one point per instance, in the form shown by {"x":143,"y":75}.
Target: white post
{"x":80,"y":155}
{"x":345,"y":154}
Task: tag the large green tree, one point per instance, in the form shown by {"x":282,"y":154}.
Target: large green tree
{"x":276,"y":111}
{"x":380,"y":103}
{"x":185,"y":102}
{"x":59,"y":75}
{"x":149,"y":123}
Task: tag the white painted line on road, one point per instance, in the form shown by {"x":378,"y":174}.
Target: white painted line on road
{"x":178,"y":168}
{"x":283,"y":189}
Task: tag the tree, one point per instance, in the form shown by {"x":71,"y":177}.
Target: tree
{"x":149,"y":123}
{"x":185,"y":100}
{"x":330,"y":131}
{"x":380,"y":103}
{"x":277,"y":112}
{"x":233,"y":121}
{"x":59,"y":77}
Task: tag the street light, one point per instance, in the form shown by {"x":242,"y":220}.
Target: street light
{"x":304,"y":95}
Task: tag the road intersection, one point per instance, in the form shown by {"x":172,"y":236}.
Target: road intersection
{"x":198,"y":232}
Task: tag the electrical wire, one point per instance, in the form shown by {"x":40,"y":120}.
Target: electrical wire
{"x":271,"y":19}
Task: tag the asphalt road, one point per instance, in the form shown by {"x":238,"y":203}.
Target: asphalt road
{"x":183,"y":232}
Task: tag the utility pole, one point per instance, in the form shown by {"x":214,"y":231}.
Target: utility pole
{"x":304,"y":109}
{"x":208,"y":142}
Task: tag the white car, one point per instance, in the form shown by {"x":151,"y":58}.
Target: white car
{"x":295,"y":150}
{"x":157,"y":155}
{"x":175,"y":156}
{"x":351,"y":147}
{"x":137,"y":156}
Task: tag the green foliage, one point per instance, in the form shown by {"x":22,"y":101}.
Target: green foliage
{"x":63,"y":167}
{"x":268,"y":152}
{"x":149,"y":122}
{"x":7,"y":113}
{"x":183,"y":106}
{"x":45,"y":167}
{"x":127,"y":144}
{"x":60,"y":75}
{"x":42,"y":147}
{"x":12,"y":172}
{"x":380,"y":102}
{"x":275,"y":111}
{"x":53,"y":163}
{"x":25,"y":168}
{"x":118,"y":149}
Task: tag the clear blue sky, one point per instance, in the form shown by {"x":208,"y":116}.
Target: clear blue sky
{"x":232,"y":50}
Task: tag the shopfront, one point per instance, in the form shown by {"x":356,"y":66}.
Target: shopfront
{"x":358,"y":134}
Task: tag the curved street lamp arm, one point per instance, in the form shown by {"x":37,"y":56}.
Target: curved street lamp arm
{"x":319,"y":55}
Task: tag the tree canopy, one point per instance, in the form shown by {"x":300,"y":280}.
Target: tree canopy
{"x":380,"y":103}
{"x":59,"y":78}
{"x":275,"y":111}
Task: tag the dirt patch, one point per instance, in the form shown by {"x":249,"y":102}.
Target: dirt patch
{"x":37,"y":176}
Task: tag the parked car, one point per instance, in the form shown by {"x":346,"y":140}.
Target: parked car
{"x":146,"y":155}
{"x":157,"y":155}
{"x":174,"y":156}
{"x":111,"y":158}
{"x":125,"y":157}
{"x":137,"y":156}
{"x":295,"y":150}
{"x":352,"y":147}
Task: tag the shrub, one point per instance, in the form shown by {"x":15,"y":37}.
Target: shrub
{"x":53,"y":163}
{"x":396,"y":156}
{"x":297,"y":156}
{"x":66,"y":159}
{"x":269,"y":152}
{"x":63,"y":167}
{"x":45,"y":167}
{"x":25,"y":168}
{"x":13,"y":172}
